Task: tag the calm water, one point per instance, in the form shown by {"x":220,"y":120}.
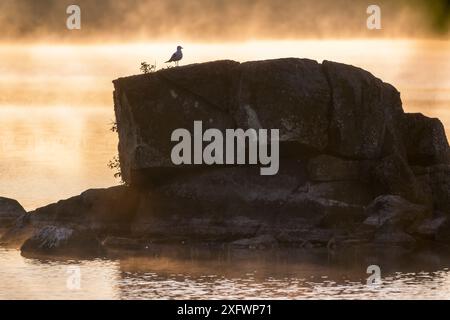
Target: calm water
{"x":55,"y":142}
{"x":194,"y":274}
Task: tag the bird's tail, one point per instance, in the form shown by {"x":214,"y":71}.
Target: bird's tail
{"x":168,"y":61}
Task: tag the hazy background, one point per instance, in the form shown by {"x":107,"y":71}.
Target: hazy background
{"x":219,"y":20}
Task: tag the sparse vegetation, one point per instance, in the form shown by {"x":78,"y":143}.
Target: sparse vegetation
{"x":147,"y":68}
{"x":114,"y":164}
{"x":113,"y":127}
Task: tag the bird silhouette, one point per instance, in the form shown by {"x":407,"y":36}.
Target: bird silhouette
{"x":177,"y":56}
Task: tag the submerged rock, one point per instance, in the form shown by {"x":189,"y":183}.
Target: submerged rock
{"x":62,"y":240}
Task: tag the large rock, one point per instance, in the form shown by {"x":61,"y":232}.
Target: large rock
{"x":224,"y":94}
{"x":354,"y":168}
{"x":330,"y":108}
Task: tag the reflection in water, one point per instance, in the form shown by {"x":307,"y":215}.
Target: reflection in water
{"x":190,"y":273}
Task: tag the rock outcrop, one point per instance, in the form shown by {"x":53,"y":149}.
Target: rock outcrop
{"x":332,"y":115}
{"x":354,"y":167}
{"x":10,"y":210}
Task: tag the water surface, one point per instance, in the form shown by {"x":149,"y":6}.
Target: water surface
{"x":190,"y":273}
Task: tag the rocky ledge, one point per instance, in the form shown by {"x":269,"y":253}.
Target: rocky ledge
{"x":354,"y":168}
{"x":10,"y":211}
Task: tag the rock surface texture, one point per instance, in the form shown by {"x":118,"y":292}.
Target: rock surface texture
{"x":354,"y":167}
{"x":10,"y":210}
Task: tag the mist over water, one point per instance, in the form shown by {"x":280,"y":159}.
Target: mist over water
{"x":219,"y":20}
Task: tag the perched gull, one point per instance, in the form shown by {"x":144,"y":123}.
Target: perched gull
{"x":177,"y":56}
